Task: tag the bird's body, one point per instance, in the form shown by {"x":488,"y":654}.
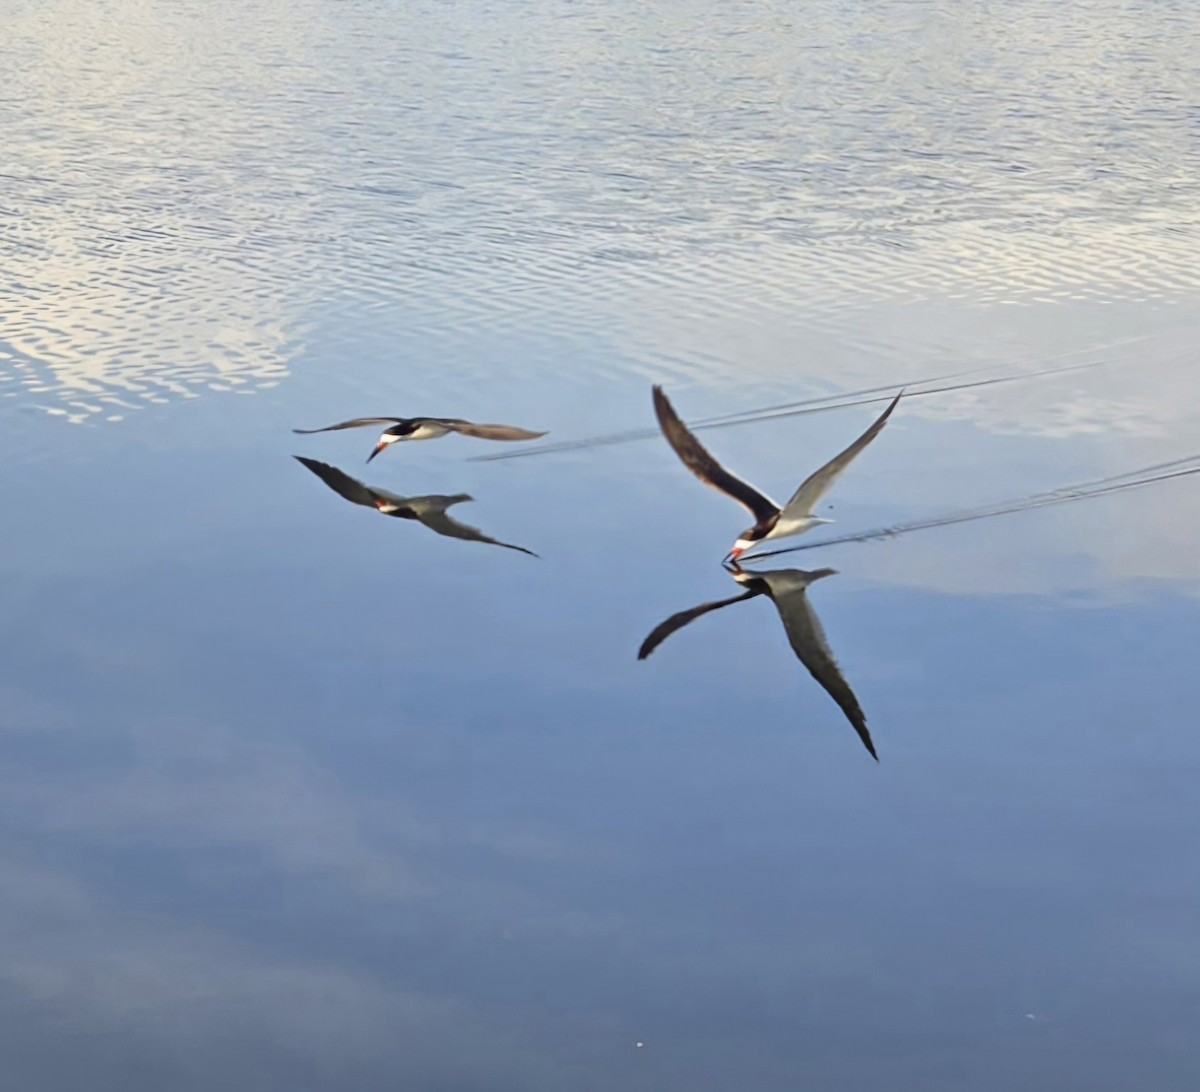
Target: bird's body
{"x":793,"y":525}
{"x":772,"y":520}
{"x":418,"y":429}
{"x":787,"y":589}
{"x":429,"y":510}
{"x":425,"y":428}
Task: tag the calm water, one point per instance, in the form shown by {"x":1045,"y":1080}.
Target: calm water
{"x":295,"y":796}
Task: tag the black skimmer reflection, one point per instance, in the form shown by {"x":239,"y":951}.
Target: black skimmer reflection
{"x":424,"y":428}
{"x":430,"y":510}
{"x":788,"y":591}
{"x":772,"y":521}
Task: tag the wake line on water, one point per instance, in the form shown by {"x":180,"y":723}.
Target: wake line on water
{"x":866,"y":396}
{"x":824,"y":404}
{"x":1098,"y":487}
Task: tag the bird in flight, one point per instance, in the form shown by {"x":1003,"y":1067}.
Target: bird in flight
{"x":430,"y":510}
{"x":772,"y":521}
{"x":424,"y":428}
{"x":788,"y":591}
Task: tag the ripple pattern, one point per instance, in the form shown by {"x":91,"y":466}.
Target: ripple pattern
{"x":190,"y":190}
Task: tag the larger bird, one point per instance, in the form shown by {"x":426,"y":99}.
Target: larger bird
{"x":772,"y":521}
{"x":425,"y":428}
{"x":429,"y":510}
{"x":787,"y":589}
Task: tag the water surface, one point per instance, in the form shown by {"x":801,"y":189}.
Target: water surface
{"x":297,"y":794}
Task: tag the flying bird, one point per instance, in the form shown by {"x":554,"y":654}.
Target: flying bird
{"x":772,"y":521}
{"x":788,"y":591}
{"x":430,"y":510}
{"x":424,"y":428}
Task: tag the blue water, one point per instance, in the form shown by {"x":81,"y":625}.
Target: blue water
{"x":294,"y":795}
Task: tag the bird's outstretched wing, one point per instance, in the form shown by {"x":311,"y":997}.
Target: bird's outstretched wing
{"x":817,"y":484}
{"x":357,"y":422}
{"x":431,"y":511}
{"x":787,"y":589}
{"x":700,"y":462}
{"x":485,"y":432}
{"x":351,"y":488}
{"x":677,"y":621}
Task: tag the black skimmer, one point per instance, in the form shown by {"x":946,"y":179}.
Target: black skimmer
{"x":430,"y":510}
{"x":787,"y":589}
{"x":772,"y":521}
{"x":424,"y":428}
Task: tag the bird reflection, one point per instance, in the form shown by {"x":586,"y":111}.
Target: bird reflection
{"x":788,"y":590}
{"x":430,"y":510}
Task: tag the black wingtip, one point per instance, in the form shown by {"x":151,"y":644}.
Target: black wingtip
{"x":664,"y":411}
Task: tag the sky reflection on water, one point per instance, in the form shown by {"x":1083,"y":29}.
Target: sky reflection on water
{"x":355,"y":797}
{"x":294,"y":797}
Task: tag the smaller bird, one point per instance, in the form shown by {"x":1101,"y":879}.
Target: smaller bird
{"x":430,"y":510}
{"x":425,"y":428}
{"x":788,"y":591}
{"x":772,"y":521}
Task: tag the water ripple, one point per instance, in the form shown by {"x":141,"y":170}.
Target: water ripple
{"x":188,"y":196}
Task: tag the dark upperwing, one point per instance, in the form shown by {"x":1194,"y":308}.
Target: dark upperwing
{"x":700,"y":462}
{"x":357,"y":422}
{"x":485,"y":432}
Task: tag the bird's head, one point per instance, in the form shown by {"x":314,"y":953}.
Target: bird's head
{"x":730,"y":560}
{"x":747,"y":540}
{"x":385,"y":441}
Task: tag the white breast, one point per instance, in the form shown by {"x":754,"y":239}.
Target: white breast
{"x":797,"y":525}
{"x":427,"y":432}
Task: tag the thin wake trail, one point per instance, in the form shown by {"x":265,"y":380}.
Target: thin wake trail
{"x":889,"y":389}
{"x":865,"y":396}
{"x":1097,"y":487}
{"x":824,"y":404}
